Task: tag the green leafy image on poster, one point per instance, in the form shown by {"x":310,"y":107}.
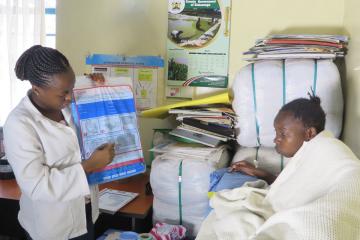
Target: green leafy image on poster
{"x":198,"y":43}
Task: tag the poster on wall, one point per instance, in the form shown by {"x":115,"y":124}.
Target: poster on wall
{"x":143,"y":70}
{"x":198,"y":43}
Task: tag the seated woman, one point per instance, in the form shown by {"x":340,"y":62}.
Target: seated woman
{"x":314,"y":197}
{"x":310,"y":114}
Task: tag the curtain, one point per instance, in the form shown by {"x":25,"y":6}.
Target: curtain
{"x":21,"y":26}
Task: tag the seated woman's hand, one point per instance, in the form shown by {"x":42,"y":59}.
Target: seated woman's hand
{"x":249,"y":169}
{"x":246,"y":167}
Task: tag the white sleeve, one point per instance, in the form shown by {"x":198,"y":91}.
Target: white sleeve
{"x":36,"y":179}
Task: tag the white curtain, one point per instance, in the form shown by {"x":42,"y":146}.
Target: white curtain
{"x":21,"y":26}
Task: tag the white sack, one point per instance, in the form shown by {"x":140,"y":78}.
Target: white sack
{"x":268,"y":75}
{"x":164,"y":178}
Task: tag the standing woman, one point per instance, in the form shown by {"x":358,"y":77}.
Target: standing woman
{"x":42,"y":148}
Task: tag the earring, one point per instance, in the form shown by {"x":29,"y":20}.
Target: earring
{"x":36,"y":93}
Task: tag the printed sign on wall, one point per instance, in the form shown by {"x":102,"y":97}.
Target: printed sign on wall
{"x":198,"y":43}
{"x":143,"y":70}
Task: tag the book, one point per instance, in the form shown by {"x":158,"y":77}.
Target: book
{"x":198,"y":112}
{"x":303,"y":42}
{"x":211,"y":127}
{"x":111,"y":200}
{"x":196,"y":137}
{"x":180,"y":117}
{"x":205,"y":109}
{"x":203,"y":132}
{"x":327,"y":37}
{"x":216,"y":120}
{"x":294,"y":55}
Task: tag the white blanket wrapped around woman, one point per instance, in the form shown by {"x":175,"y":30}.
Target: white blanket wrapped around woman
{"x":315,"y":197}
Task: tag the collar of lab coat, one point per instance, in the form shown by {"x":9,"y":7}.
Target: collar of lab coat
{"x":38,"y":116}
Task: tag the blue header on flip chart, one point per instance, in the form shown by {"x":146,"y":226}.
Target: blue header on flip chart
{"x":104,"y":59}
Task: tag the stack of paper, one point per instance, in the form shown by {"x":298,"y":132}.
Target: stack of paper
{"x":206,"y":124}
{"x":194,"y":151}
{"x":111,"y":200}
{"x":283,"y":46}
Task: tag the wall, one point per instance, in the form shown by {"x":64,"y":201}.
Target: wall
{"x":134,"y":27}
{"x":351,"y":134}
{"x":113,"y":27}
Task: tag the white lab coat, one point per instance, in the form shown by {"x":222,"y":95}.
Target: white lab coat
{"x":45,"y":157}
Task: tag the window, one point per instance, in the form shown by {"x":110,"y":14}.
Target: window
{"x":50,"y":23}
{"x":22,"y":24}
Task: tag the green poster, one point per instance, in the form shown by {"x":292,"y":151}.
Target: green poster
{"x":198,"y":43}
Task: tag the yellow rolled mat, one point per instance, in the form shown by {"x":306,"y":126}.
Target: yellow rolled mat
{"x":162,"y":112}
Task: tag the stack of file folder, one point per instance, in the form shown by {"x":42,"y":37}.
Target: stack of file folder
{"x":283,"y":46}
{"x":209,"y":125}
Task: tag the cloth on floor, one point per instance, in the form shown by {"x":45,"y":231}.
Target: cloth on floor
{"x":164,"y":231}
{"x":316,"y":196}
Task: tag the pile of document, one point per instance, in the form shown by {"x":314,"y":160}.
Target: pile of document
{"x":111,"y":200}
{"x":283,"y":46}
{"x":209,"y":125}
{"x":179,"y":150}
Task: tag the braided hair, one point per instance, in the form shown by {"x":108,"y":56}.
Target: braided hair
{"x":308,"y":111}
{"x":38,"y":64}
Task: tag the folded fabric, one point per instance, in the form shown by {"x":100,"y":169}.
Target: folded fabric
{"x":223,"y":179}
{"x":237,"y":213}
{"x":164,"y":231}
{"x":309,"y":199}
